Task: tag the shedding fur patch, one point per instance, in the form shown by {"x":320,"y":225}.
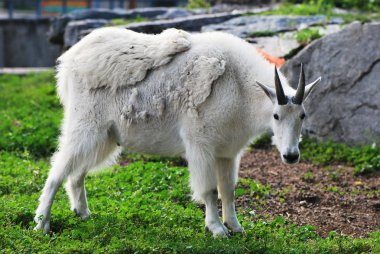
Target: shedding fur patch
{"x":114,"y":57}
{"x":198,"y":78}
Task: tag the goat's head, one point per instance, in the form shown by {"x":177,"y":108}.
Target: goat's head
{"x":288,"y":115}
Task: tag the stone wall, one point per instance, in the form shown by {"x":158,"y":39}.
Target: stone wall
{"x":24,"y":43}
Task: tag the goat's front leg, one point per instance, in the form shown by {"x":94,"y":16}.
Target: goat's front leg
{"x":227,"y":171}
{"x":203,"y":183}
{"x":212,"y":219}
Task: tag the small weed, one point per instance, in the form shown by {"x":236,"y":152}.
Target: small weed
{"x":122,"y":22}
{"x":307,"y":35}
{"x":334,"y":176}
{"x":308,"y":177}
{"x":293,"y":52}
{"x":262,"y":34}
{"x":332,"y":189}
{"x":262,"y":142}
{"x":198,"y":4}
{"x":304,"y":9}
{"x":255,"y":188}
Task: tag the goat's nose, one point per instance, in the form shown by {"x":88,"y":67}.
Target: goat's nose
{"x":291,"y":157}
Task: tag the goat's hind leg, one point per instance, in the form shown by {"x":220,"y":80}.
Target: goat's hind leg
{"x":104,"y":152}
{"x":77,"y":154}
{"x":62,"y":163}
{"x":77,"y":194}
{"x":227,"y":171}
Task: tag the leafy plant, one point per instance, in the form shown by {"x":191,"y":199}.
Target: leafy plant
{"x":198,"y":4}
{"x":262,"y":33}
{"x":365,"y":158}
{"x":122,"y":22}
{"x":263,"y":141}
{"x":367,"y":5}
{"x":305,"y":36}
{"x":308,"y":176}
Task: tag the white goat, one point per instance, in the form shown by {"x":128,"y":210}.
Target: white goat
{"x":169,"y":94}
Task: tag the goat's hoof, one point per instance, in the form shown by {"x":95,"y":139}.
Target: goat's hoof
{"x":83,"y":213}
{"x":217,"y":230}
{"x":236,"y":228}
{"x":42,"y":224}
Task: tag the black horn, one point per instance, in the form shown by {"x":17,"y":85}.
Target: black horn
{"x":298,"y":98}
{"x":281,"y":98}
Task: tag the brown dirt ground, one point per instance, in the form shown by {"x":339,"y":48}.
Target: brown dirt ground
{"x":329,"y":198}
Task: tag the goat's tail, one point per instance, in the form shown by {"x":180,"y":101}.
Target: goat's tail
{"x":63,"y":77}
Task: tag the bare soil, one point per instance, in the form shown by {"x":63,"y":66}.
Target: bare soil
{"x":330,"y":198}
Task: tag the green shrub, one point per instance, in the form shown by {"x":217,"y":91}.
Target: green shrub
{"x":305,"y":36}
{"x":366,"y":158}
{"x":262,"y":142}
{"x":262,"y":34}
{"x":367,"y":5}
{"x":304,"y":9}
{"x":198,"y":4}
{"x":122,"y":22}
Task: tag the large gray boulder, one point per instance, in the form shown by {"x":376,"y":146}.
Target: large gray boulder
{"x":191,"y":23}
{"x":345,"y":106}
{"x":74,"y":28}
{"x":243,"y":26}
{"x":58,"y":24}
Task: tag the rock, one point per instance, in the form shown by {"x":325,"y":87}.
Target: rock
{"x":174,"y":13}
{"x":277,"y":46}
{"x":23,"y":43}
{"x":345,"y":106}
{"x":191,"y":23}
{"x":73,"y":29}
{"x":280,"y":45}
{"x":58,"y":24}
{"x":243,"y":26}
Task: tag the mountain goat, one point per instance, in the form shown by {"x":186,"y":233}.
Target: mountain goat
{"x":197,"y":95}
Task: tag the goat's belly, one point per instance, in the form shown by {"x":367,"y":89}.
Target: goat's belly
{"x":153,"y":141}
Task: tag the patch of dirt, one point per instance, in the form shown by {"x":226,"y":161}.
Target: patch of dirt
{"x":329,"y":198}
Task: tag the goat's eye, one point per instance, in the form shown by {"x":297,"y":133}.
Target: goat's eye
{"x":276,"y":116}
{"x":302,"y":116}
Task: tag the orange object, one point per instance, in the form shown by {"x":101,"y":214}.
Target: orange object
{"x":278,"y":61}
{"x":54,"y":7}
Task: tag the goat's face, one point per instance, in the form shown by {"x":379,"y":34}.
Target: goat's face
{"x":288,"y":115}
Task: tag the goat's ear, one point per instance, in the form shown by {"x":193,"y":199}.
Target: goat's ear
{"x":270,"y":92}
{"x":310,"y":87}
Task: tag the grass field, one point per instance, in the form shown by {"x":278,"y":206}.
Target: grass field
{"x":140,"y":207}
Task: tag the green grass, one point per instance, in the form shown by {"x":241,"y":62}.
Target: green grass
{"x":262,"y":33}
{"x":307,"y":35}
{"x":323,"y":8}
{"x":30,"y":113}
{"x":305,"y":9}
{"x":142,"y":207}
{"x":365,"y":158}
{"x":123,"y":22}
{"x":198,"y":4}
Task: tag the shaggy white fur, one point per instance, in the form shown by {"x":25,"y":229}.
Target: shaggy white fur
{"x":94,"y":60}
{"x":167,"y":94}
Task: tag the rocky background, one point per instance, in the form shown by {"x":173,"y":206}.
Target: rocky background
{"x":345,"y":105}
